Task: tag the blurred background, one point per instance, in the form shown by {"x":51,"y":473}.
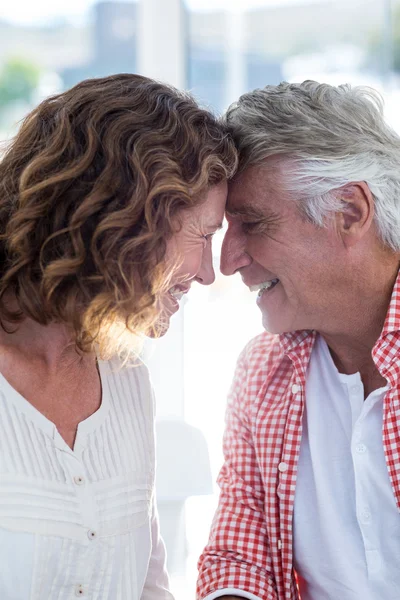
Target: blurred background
{"x":217,"y":49}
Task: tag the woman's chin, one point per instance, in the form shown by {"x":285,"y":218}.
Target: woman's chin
{"x":168,"y":308}
{"x":160,"y":327}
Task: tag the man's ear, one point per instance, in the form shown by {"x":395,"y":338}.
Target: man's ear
{"x":354,"y":220}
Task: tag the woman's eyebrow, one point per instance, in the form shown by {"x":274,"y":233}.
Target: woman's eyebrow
{"x":216,"y":226}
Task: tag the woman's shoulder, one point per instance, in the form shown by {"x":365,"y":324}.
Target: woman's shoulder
{"x":128,"y":381}
{"x":132,"y":367}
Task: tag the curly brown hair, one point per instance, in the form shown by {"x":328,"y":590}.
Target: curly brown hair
{"x":89,"y":189}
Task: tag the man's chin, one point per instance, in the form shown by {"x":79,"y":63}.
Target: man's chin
{"x":275,"y":327}
{"x":280,"y":326}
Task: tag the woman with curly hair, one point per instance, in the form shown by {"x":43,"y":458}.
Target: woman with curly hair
{"x":109,"y":197}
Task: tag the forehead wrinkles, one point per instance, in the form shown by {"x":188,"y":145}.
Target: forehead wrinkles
{"x":263,"y":188}
{"x":256,"y":191}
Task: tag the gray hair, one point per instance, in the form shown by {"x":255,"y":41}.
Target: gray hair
{"x":330,"y":136}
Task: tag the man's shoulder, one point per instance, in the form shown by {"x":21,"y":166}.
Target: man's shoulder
{"x":262,"y":352}
{"x":256,"y":370}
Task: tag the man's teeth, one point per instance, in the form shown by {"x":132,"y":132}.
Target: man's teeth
{"x":261,"y":287}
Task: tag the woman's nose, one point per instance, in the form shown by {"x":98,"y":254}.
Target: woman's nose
{"x":206,"y":274}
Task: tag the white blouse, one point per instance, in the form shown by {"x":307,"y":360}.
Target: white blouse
{"x":82,"y":522}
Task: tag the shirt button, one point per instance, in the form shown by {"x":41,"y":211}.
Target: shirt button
{"x":355,"y":389}
{"x":366,"y":516}
{"x":92,"y":535}
{"x":282,"y":467}
{"x":295,"y":388}
{"x":79,"y":590}
{"x":361,"y":448}
{"x":79,"y":480}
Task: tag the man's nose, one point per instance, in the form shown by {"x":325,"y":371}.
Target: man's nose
{"x":233,"y":252}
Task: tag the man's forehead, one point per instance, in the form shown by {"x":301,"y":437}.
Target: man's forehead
{"x":255,"y":188}
{"x":248,"y":192}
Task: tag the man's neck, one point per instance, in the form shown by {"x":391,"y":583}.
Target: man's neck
{"x":352,"y":351}
{"x":357,"y":359}
{"x":351,"y":348}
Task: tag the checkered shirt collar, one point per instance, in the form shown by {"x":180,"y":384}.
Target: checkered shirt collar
{"x":392,"y":321}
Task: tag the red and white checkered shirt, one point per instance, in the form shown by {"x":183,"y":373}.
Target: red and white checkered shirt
{"x":251,"y":542}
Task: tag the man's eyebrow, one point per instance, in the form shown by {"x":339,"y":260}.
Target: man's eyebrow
{"x":246,"y":211}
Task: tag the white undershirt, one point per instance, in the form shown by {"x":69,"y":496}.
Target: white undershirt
{"x":346,"y":523}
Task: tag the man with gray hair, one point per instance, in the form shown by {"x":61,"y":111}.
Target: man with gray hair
{"x":310,"y":487}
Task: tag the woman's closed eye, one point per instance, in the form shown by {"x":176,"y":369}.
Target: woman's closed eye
{"x":208,"y":236}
